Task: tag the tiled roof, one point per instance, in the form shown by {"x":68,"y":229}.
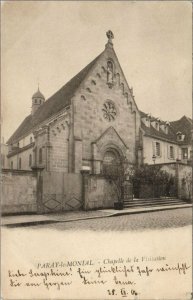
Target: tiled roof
{"x":159,"y":134}
{"x":184,"y":125}
{"x":53,"y":105}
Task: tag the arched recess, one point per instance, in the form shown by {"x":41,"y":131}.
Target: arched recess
{"x":122,"y":87}
{"x":109,"y":140}
{"x":112,"y":159}
{"x":118,"y":78}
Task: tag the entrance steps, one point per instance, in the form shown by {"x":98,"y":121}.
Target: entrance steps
{"x":135,"y":203}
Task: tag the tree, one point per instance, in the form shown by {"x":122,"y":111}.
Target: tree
{"x":118,"y":175}
{"x":153,"y":176}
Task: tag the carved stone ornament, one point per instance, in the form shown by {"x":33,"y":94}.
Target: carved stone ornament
{"x":109,"y":111}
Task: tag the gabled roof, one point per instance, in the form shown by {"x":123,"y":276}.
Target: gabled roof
{"x":159,"y":134}
{"x":184,"y":125}
{"x":53,"y":105}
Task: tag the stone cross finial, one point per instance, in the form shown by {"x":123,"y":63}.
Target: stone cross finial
{"x":110,"y":36}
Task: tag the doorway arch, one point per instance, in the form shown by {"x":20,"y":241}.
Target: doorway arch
{"x":112,"y":162}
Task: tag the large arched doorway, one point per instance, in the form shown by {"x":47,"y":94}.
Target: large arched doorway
{"x":111,"y":164}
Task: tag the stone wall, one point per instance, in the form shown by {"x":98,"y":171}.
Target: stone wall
{"x":185,"y":181}
{"x":89,"y":123}
{"x":19,"y":192}
{"x":60,"y":192}
{"x":183,"y":175}
{"x":99,"y":193}
{"x":40,"y":191}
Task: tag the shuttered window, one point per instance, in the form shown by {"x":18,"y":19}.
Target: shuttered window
{"x":157,"y":149}
{"x":171,"y":152}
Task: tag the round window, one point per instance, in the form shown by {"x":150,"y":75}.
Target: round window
{"x":109,"y":111}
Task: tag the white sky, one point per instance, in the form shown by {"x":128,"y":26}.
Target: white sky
{"x":52,"y":41}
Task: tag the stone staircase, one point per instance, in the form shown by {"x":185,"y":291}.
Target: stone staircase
{"x":137,"y":203}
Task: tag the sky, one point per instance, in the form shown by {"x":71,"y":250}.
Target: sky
{"x":51,"y":41}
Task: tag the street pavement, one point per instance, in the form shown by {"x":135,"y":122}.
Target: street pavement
{"x":129,"y":222}
{"x":69,"y":216}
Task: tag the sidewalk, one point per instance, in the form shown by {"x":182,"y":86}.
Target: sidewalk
{"x":67,"y":216}
{"x":72,"y":216}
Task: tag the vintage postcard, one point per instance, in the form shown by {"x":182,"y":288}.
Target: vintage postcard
{"x":96,"y":150}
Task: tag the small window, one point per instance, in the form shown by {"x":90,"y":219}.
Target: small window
{"x":18,"y":144}
{"x":157,"y":149}
{"x":20,"y":163}
{"x":184,"y":153}
{"x":30,"y":160}
{"x":40,"y":155}
{"x":31,"y":140}
{"x":35,"y":100}
{"x":11,"y":165}
{"x":172,"y":152}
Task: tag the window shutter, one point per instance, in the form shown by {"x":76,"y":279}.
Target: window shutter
{"x":168,"y":151}
{"x":174,"y":151}
{"x":160,"y":146}
{"x":154,"y":148}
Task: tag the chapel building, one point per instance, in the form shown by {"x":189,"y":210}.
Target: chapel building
{"x":93,"y":121}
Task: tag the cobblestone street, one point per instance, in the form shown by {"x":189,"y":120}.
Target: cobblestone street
{"x":144,"y":221}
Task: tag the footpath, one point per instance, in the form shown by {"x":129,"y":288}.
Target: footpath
{"x":73,"y":216}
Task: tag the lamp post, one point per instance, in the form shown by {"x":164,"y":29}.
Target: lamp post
{"x":154,"y":158}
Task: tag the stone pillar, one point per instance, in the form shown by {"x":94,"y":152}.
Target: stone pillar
{"x":96,"y":165}
{"x":39,"y":193}
{"x":85,"y":181}
{"x":77,"y":155}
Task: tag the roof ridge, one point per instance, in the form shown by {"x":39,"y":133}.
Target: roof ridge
{"x":54,"y":104}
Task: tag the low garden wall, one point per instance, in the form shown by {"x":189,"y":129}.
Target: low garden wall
{"x":19,"y":192}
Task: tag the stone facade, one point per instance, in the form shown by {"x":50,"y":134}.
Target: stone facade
{"x":91,"y":120}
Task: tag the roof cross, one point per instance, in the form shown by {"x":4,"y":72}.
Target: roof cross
{"x":110,"y":36}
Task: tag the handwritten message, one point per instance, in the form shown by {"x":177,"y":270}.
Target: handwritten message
{"x":119,"y":277}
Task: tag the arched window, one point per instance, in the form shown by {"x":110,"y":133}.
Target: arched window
{"x":11,"y":165}
{"x":30,"y":160}
{"x":40,"y":155}
{"x":31,"y":140}
{"x":20,"y":163}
